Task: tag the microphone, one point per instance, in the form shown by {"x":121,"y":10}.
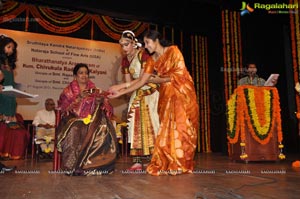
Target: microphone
{"x":252,"y":74}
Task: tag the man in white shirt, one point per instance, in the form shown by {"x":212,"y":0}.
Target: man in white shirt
{"x":44,"y":121}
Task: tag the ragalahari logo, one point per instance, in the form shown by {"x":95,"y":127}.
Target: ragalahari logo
{"x":246,"y":9}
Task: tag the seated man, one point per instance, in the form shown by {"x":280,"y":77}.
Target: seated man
{"x":44,"y":121}
{"x":252,"y":78}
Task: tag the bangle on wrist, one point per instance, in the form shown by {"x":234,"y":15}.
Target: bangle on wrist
{"x":127,"y":85}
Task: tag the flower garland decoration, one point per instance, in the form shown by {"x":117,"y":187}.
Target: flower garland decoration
{"x":232,"y":134}
{"x":281,"y":156}
{"x":297,"y":115}
{"x":119,"y":132}
{"x":12,"y":8}
{"x":296,"y":164}
{"x":47,"y":150}
{"x":232,"y":49}
{"x":244,"y":154}
{"x":295,"y":46}
{"x":259,"y":109}
{"x":114,"y":31}
{"x":66,"y":22}
{"x":199,"y":67}
{"x":261,"y":125}
{"x":58,"y":18}
{"x":48,"y":140}
{"x":254,"y":105}
{"x":87,"y":120}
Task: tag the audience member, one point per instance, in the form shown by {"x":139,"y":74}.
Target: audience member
{"x":44,"y":121}
{"x":14,"y":137}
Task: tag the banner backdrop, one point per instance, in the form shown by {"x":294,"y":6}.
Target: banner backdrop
{"x":45,"y":66}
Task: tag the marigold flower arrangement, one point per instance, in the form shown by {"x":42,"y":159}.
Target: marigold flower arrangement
{"x":296,"y":164}
{"x":87,"y":120}
{"x":48,"y":140}
{"x":118,"y":131}
{"x":259,"y":109}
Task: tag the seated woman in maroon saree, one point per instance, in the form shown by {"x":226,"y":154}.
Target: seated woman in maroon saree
{"x":86,"y":137}
{"x":14,"y":139}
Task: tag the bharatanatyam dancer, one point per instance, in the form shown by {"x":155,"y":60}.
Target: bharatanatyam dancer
{"x":142,"y":118}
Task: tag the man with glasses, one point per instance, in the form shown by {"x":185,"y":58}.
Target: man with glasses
{"x":44,"y":121}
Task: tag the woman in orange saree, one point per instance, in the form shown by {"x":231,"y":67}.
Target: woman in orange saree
{"x":177,"y":107}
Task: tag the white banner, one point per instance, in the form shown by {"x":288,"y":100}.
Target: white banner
{"x":45,"y":66}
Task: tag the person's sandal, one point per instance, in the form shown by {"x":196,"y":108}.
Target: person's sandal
{"x":136,"y":167}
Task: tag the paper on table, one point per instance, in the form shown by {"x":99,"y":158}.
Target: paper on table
{"x":272,"y":80}
{"x":11,"y":91}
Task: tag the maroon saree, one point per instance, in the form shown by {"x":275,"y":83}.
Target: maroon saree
{"x":88,"y":146}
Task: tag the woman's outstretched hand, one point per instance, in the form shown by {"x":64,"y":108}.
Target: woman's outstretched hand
{"x":114,"y":94}
{"x":116,"y":87}
{"x":114,"y":91}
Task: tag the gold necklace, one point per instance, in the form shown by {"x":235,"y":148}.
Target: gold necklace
{"x":130,"y":58}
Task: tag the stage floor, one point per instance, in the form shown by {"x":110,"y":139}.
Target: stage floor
{"x":215,"y":176}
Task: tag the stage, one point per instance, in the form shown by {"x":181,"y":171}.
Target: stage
{"x":215,"y":176}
